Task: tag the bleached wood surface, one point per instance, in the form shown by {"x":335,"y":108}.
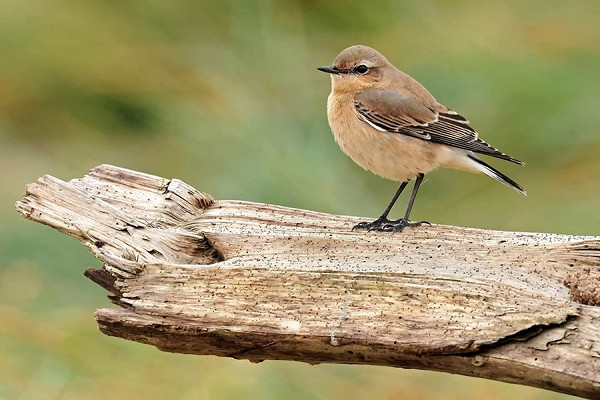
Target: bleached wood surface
{"x":257,"y":281}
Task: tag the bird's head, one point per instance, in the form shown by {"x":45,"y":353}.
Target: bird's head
{"x":357,"y":67}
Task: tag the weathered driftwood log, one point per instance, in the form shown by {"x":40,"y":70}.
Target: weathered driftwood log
{"x":258,"y":281}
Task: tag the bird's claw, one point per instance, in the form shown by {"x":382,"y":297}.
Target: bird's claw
{"x":385,"y":225}
{"x":376,"y":225}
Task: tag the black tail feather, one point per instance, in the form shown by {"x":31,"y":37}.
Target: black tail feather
{"x":497,"y":175}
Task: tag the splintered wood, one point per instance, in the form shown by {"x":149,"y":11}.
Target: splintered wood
{"x":258,"y":282}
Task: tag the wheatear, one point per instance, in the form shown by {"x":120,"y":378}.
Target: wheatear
{"x":389,"y":124}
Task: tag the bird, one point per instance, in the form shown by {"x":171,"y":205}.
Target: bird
{"x":391,"y":125}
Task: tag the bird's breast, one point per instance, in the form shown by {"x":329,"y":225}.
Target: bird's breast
{"x":390,"y":155}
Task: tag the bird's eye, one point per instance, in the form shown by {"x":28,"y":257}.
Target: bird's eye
{"x":361,"y":69}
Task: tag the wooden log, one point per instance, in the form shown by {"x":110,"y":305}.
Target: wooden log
{"x":257,"y":281}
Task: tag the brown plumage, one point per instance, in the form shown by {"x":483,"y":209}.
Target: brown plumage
{"x":389,"y":124}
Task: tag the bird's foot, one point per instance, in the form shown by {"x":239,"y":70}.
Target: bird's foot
{"x":377,"y":225}
{"x":385,"y":225}
{"x":400,"y":224}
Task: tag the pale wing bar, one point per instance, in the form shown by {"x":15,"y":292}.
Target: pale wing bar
{"x":392,"y":123}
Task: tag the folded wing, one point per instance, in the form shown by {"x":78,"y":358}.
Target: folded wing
{"x":391,"y":111}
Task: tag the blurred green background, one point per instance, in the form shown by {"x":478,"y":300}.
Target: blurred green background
{"x":225,"y":95}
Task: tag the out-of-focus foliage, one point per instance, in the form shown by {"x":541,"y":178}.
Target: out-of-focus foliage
{"x":225,"y":95}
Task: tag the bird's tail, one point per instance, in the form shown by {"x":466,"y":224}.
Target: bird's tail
{"x":497,"y":175}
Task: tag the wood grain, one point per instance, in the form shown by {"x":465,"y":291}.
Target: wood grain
{"x":258,"y":281}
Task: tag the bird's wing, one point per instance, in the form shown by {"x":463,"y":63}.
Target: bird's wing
{"x":391,"y":111}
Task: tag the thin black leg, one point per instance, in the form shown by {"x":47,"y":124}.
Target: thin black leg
{"x":404,"y":222}
{"x":382,"y":220}
{"x":413,"y":196}
{"x":389,"y":207}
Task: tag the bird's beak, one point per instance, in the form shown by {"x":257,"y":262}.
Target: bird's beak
{"x":330,"y":70}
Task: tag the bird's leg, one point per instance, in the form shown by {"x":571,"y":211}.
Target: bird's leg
{"x":399,"y":225}
{"x":382,"y":221}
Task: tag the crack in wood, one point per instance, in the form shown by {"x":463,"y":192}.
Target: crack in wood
{"x":258,"y":281}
